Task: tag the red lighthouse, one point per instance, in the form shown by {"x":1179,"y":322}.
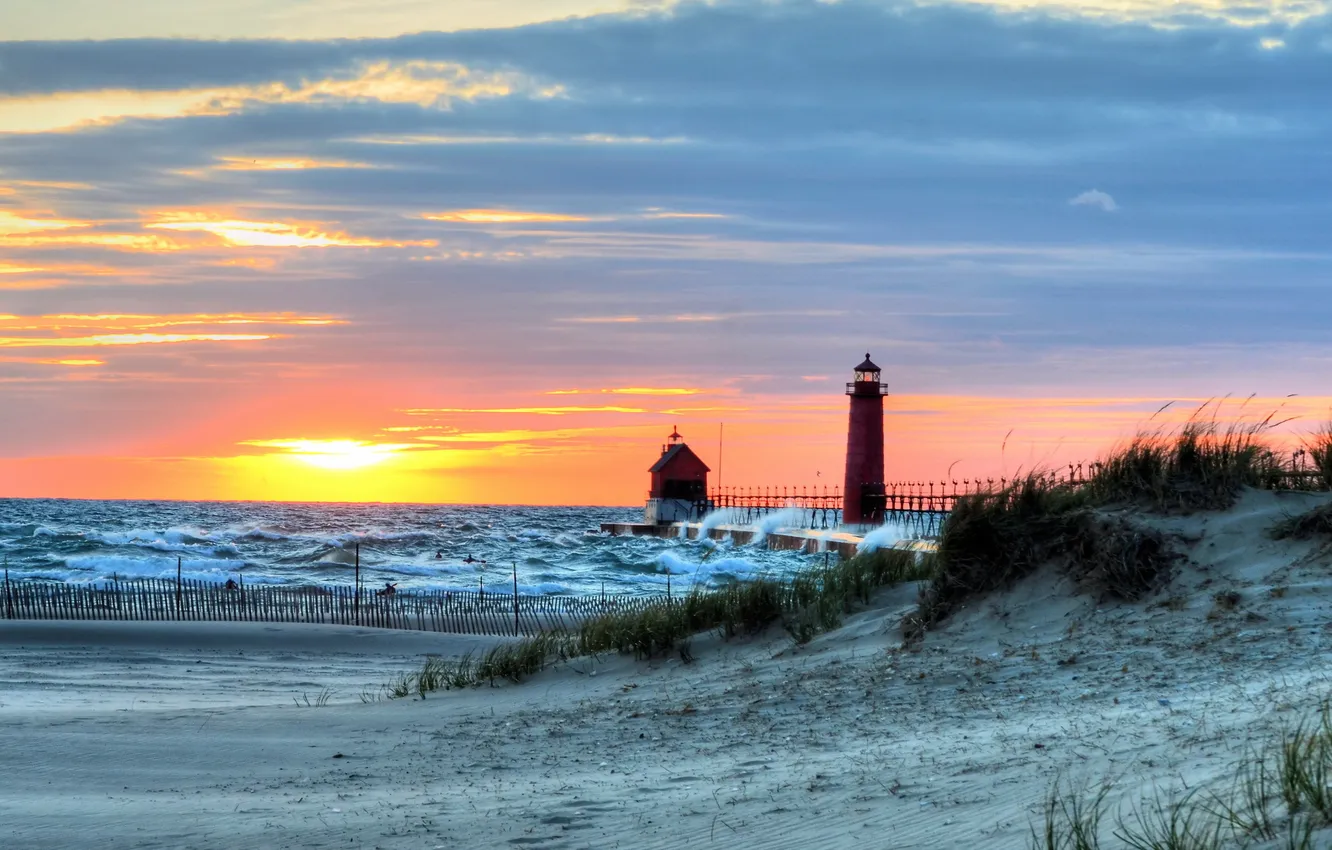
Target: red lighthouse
{"x":679,"y":484}
{"x":863,"y":496}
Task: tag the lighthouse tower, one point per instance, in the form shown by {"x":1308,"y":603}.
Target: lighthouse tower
{"x":863,"y":496}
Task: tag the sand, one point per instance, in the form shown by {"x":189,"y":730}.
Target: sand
{"x":164,"y":735}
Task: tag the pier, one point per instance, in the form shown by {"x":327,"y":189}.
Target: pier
{"x":844,"y":544}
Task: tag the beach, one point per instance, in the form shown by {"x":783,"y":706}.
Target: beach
{"x":138,"y":735}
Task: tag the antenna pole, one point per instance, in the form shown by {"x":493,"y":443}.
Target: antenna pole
{"x":721,"y":441}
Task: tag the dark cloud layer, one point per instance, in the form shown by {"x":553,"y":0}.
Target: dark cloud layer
{"x":909,"y":168}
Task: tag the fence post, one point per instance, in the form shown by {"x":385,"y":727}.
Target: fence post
{"x":178,"y":559}
{"x":9,"y":600}
{"x":668,"y":585}
{"x":515,"y":599}
{"x":356,"y":604}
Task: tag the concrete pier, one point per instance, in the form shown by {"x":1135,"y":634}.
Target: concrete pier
{"x":806,"y":540}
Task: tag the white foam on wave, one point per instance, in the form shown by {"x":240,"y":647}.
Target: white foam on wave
{"x":85,"y":568}
{"x":716,"y":519}
{"x":171,"y":540}
{"x":785,"y":518}
{"x":883,"y":537}
{"x":704,"y":571}
{"x":373,"y":535}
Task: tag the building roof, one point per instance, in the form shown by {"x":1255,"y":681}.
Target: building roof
{"x":671,"y":454}
{"x":868,"y":365}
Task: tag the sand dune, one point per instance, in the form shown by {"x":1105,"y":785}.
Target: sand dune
{"x":163,"y":735}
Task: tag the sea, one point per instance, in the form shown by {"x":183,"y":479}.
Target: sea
{"x":555,"y":550}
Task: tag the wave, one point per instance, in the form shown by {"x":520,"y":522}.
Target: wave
{"x":708,"y":570}
{"x":556,"y":550}
{"x":883,"y":537}
{"x":83,"y":568}
{"x":785,"y":518}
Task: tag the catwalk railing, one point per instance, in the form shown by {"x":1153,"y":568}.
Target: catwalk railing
{"x":457,"y":611}
{"x":921,"y":506}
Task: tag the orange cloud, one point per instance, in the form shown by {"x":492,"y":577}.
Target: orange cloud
{"x":240,"y":163}
{"x":14,"y":223}
{"x":74,"y":330}
{"x":137,"y":242}
{"x":632,"y":391}
{"x":431,"y":85}
{"x":47,"y":362}
{"x":136,"y":321}
{"x":123,"y":339}
{"x":270,"y":234}
{"x":541,"y":411}
{"x":483,"y":216}
{"x":9,"y":268}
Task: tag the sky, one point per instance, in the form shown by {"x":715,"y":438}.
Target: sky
{"x":495,"y":250}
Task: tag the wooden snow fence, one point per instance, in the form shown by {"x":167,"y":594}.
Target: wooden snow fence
{"x":455,"y":611}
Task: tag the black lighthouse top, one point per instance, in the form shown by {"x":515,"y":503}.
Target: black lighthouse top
{"x":867,"y":380}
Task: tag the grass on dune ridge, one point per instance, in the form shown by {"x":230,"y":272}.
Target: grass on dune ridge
{"x":813,"y":601}
{"x":992,"y":539}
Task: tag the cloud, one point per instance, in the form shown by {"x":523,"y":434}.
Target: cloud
{"x":651,"y":391}
{"x":423,"y":84}
{"x":727,"y":195}
{"x":123,"y":339}
{"x":501,"y":217}
{"x":72,"y":330}
{"x":272,"y":234}
{"x":1094,"y":198}
{"x":240,"y":163}
{"x":539,"y":411}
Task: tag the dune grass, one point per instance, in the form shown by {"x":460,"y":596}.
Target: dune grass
{"x":1318,"y":446}
{"x":1202,"y":466}
{"x":1279,"y":798}
{"x":811,"y":602}
{"x":1316,"y":522}
{"x":992,"y":539}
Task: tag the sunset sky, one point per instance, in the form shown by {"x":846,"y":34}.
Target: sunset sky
{"x":494,"y":250}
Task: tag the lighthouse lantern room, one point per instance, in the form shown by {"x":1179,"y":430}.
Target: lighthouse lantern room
{"x":863,"y":498}
{"x":679,"y":484}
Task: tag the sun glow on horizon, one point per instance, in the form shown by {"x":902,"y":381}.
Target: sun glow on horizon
{"x":335,"y":454}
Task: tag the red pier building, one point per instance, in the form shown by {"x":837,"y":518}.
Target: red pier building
{"x":679,"y":484}
{"x":863,"y":496}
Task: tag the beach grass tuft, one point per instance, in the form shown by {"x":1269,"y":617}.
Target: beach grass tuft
{"x":1279,"y":798}
{"x":1318,"y":446}
{"x":1316,"y":522}
{"x":1072,"y":819}
{"x":1201,"y":467}
{"x":991,"y":540}
{"x":811,"y":602}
